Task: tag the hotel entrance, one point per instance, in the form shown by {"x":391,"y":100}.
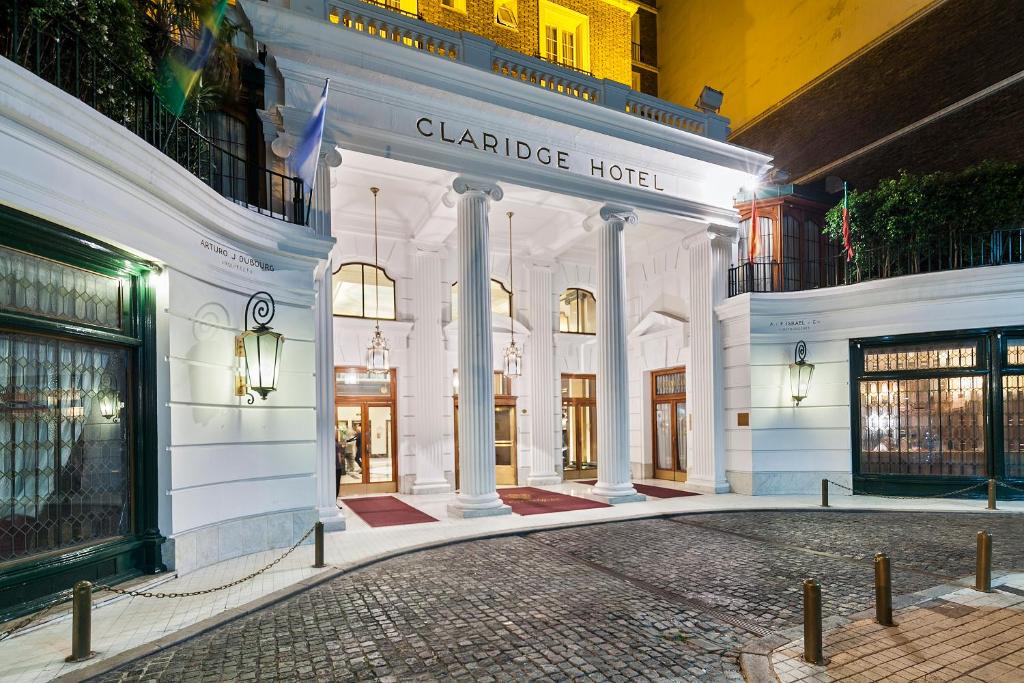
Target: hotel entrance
{"x":365,"y":431}
{"x":579,"y":426}
{"x":505,"y":461}
{"x":668,"y":408}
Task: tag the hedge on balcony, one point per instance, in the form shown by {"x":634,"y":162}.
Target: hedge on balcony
{"x":921,"y":213}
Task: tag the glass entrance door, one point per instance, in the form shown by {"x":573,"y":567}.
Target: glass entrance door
{"x":668,"y":399}
{"x":505,"y":444}
{"x":579,"y":426}
{"x":365,"y":432}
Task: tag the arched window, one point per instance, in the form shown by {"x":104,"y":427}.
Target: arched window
{"x":363,"y":291}
{"x":577,"y":312}
{"x":501,"y":300}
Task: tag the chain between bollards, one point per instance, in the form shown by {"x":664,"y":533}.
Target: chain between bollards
{"x":824,"y":493}
{"x":318,"y":545}
{"x":991,"y":494}
{"x":812,"y":623}
{"x":983,"y":569}
{"x":883,"y":590}
{"x":81,"y":622}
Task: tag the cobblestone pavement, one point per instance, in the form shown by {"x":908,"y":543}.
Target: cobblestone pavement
{"x":648,"y":600}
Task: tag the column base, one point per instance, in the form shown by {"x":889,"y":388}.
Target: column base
{"x":613,"y":494}
{"x":469,"y":513}
{"x":543,"y":480}
{"x":623,"y":498}
{"x":706,"y":486}
{"x":332,"y":518}
{"x":431,"y":487}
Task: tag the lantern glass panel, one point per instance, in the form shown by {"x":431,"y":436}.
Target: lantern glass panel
{"x":262,"y":360}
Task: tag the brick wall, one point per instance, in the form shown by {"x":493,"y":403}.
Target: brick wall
{"x":610,"y":30}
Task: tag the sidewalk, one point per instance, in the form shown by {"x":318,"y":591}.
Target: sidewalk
{"x":961,"y":635}
{"x":119,"y":624}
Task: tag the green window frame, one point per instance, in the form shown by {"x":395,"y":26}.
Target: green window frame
{"x":29,"y":582}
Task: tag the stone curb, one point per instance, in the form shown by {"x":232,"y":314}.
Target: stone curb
{"x":189,"y":632}
{"x":755,"y":655}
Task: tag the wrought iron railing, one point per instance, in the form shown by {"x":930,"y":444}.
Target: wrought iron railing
{"x":68,"y":61}
{"x":955,"y":252}
{"x":641,"y":55}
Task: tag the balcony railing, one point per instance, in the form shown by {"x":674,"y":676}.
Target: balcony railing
{"x":374,"y":19}
{"x":642,"y":55}
{"x":999,"y":247}
{"x":67,"y":60}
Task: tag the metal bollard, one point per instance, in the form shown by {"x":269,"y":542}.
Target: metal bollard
{"x":883,"y":590}
{"x":991,"y":494}
{"x":983,"y":570}
{"x":318,"y":545}
{"x":812,"y":622}
{"x":824,"y":493}
{"x":81,"y":622}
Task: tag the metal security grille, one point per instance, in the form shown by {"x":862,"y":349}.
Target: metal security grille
{"x":64,"y":448}
{"x":929,"y":426}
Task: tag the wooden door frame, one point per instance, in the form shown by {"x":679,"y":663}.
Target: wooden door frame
{"x":364,"y":403}
{"x":578,"y":472}
{"x":672,"y":400}
{"x":505,"y":400}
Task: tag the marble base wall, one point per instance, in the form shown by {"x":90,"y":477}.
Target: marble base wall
{"x":218,"y":542}
{"x":786,"y":483}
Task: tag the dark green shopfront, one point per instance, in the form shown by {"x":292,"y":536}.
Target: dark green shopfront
{"x":937,"y":413}
{"x":77,"y":409}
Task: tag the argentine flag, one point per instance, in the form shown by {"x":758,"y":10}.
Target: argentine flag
{"x":305,"y":155}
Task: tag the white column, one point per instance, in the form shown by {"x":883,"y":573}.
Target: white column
{"x":545,"y":460}
{"x":709,"y":267}
{"x":478,"y":494}
{"x":427,"y":350}
{"x":613,"y":476}
{"x":323,"y":346}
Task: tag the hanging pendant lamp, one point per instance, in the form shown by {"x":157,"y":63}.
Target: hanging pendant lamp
{"x":378,"y":361}
{"x":512,"y":361}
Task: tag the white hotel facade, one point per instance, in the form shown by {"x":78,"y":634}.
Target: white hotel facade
{"x":614,"y":283}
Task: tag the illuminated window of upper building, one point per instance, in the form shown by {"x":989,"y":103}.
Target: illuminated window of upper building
{"x":407,"y":6}
{"x":635,"y":83}
{"x":457,"y":5}
{"x":363,"y":291}
{"x":501,"y":300}
{"x":506,"y":13}
{"x":577,"y":312}
{"x":565,"y":36}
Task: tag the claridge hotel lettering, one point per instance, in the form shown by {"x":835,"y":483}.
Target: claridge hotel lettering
{"x":513,"y":148}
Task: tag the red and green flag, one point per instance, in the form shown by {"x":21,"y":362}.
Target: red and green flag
{"x":847,"y":245}
{"x":754,"y":238}
{"x":181,"y":68}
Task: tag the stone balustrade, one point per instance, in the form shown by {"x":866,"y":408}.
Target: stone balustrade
{"x":404,"y":29}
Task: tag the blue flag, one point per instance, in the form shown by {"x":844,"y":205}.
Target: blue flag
{"x":305,"y":155}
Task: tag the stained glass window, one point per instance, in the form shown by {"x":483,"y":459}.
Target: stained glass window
{"x":39,"y":286}
{"x":64,"y":447}
{"x":930,"y":356}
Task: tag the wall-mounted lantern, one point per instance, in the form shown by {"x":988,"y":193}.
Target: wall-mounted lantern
{"x":260,"y":349}
{"x":800,"y":373}
{"x":110,"y":405}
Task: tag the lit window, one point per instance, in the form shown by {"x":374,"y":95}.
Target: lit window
{"x":501,"y":300}
{"x":506,"y":13}
{"x":363,"y":291}
{"x":566,"y":36}
{"x":577,"y":312}
{"x":457,"y":5}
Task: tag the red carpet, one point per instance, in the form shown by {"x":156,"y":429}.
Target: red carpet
{"x":653,"y":491}
{"x":526,"y":500}
{"x":386,"y":511}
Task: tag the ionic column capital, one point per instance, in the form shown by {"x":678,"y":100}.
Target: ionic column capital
{"x":718,"y":235}
{"x":465,"y":184}
{"x":611,"y":214}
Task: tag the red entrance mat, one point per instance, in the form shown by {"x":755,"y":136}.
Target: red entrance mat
{"x":526,"y":500}
{"x":386,"y":511}
{"x":655,"y":491}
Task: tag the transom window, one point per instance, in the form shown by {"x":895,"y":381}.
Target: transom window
{"x":363,"y":291}
{"x":501,"y":300}
{"x":577,"y":312}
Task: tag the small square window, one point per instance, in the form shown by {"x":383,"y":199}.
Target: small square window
{"x":457,"y":5}
{"x":506,"y":13}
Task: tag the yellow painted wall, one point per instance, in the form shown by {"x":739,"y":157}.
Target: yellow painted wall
{"x":758,"y":52}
